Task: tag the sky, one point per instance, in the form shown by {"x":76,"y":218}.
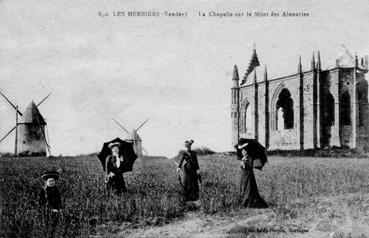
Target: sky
{"x":176,"y":71}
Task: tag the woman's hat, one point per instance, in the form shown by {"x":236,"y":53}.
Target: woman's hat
{"x":188,"y":142}
{"x":113,"y":144}
{"x":50,"y":174}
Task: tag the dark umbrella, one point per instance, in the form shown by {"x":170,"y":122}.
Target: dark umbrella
{"x":254,"y":150}
{"x":125,"y":149}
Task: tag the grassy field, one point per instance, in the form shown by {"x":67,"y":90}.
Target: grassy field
{"x":289,"y":185}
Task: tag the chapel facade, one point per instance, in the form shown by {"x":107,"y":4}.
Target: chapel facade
{"x":306,"y":110}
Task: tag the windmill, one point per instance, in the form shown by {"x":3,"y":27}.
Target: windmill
{"x":134,"y":137}
{"x":30,"y":134}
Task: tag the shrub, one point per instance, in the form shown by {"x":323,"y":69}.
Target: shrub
{"x":199,"y":151}
{"x":203,"y":151}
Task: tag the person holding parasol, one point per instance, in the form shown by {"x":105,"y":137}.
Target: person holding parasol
{"x":113,"y":164}
{"x":252,"y":155}
{"x":117,"y":157}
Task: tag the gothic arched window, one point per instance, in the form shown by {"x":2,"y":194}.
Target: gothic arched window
{"x":248,"y":119}
{"x":284,"y":110}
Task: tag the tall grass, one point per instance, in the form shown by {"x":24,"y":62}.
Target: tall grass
{"x":282,"y":180}
{"x":154,"y":193}
{"x":151,"y":193}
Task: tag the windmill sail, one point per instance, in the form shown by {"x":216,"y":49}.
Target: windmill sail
{"x":14,"y":106}
{"x":143,"y":123}
{"x":134,"y":138}
{"x":7,"y":134}
{"x":120,"y":126}
{"x":17,"y":112}
{"x":43,"y":100}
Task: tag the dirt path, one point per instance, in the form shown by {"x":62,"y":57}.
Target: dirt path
{"x":194,"y":225}
{"x":342,"y":216}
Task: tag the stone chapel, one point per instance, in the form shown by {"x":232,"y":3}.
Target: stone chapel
{"x":305,"y":110}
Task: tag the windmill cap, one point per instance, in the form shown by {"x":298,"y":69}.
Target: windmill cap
{"x":132,"y":136}
{"x":33,"y":115}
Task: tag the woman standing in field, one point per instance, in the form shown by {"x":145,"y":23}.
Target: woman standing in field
{"x":190,"y":173}
{"x":113,"y":164}
{"x":250,"y":196}
{"x":50,"y":202}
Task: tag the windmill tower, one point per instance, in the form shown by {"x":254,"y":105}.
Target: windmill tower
{"x":137,"y":142}
{"x":30,"y":136}
{"x":134,"y":138}
{"x":31,"y":129}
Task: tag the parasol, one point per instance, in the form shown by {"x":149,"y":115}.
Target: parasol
{"x":125,"y":149}
{"x":255,"y":151}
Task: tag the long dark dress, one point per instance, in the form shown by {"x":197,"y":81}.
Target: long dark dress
{"x":190,"y":178}
{"x":250,"y":196}
{"x":116,"y":182}
{"x":50,"y":200}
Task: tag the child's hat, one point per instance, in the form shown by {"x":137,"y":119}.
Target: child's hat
{"x":50,"y":174}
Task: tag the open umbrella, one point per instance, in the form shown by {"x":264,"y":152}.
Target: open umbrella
{"x":125,"y":149}
{"x":254,"y":150}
